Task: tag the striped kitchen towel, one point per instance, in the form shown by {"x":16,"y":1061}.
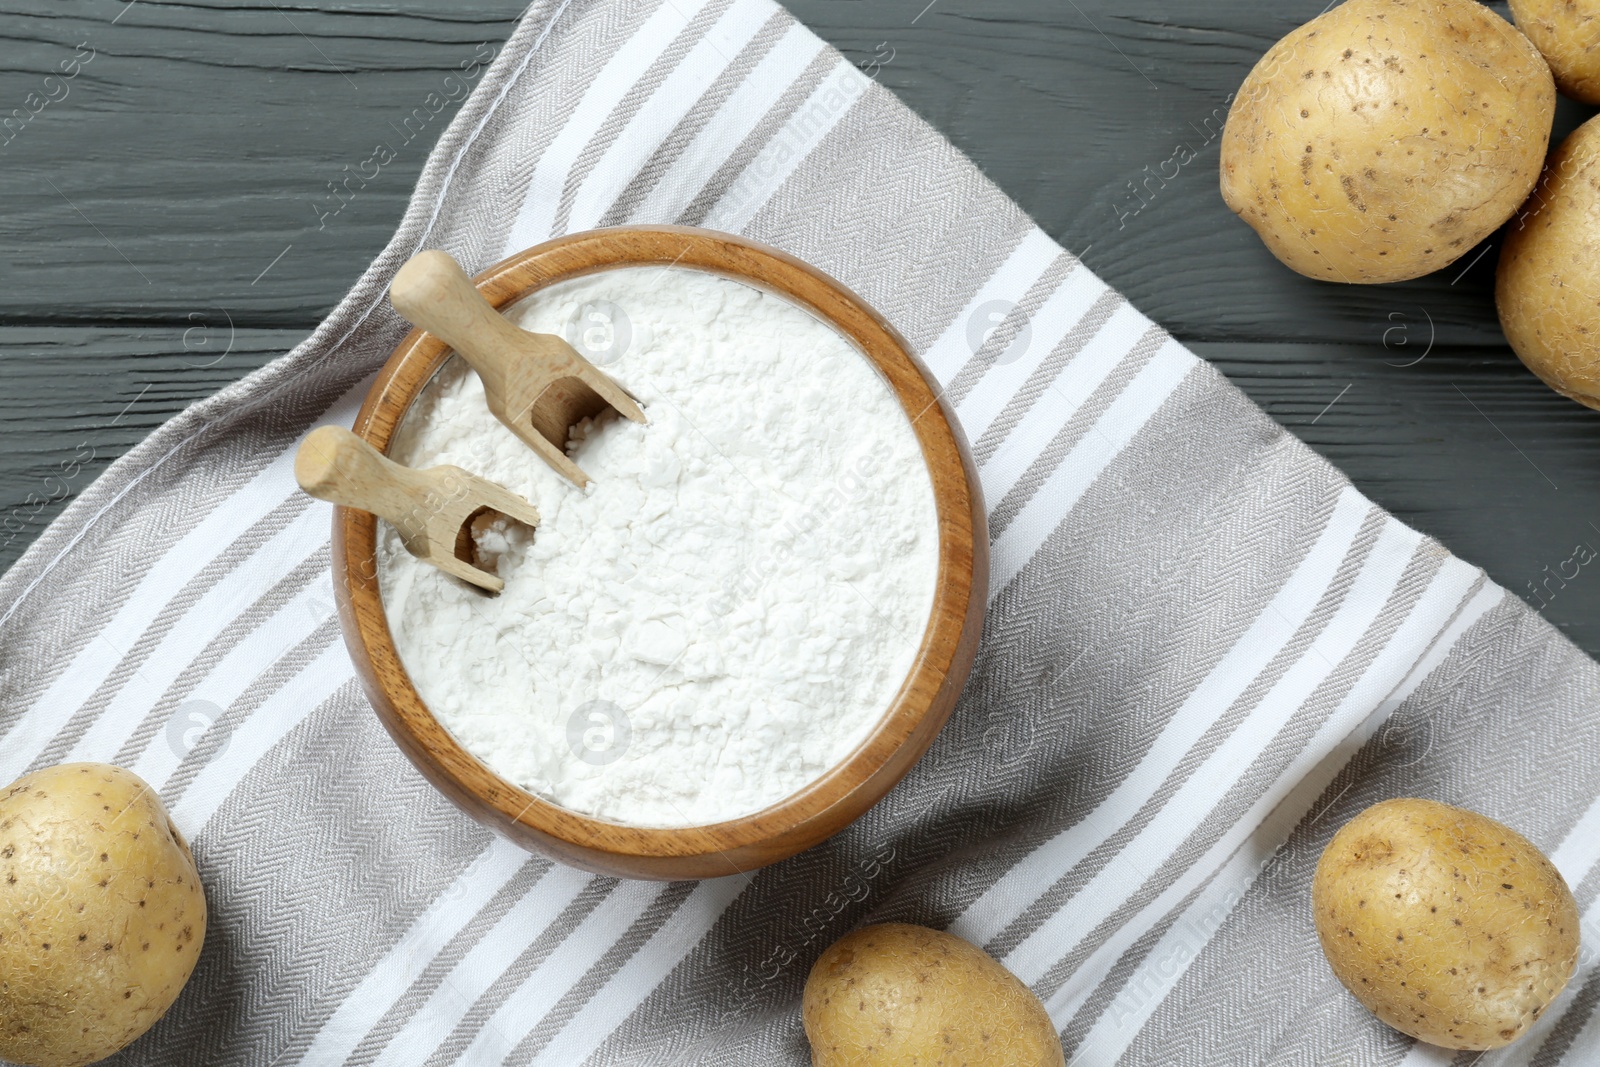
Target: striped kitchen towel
{"x":1205,"y":650}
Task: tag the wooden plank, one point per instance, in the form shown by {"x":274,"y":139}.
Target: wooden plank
{"x":196,"y":146}
{"x":198,"y":143}
{"x":74,"y":399}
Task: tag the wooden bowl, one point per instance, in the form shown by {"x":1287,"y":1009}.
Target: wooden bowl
{"x":830,"y":803}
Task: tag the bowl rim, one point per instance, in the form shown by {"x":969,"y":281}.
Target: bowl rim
{"x":902,"y":734}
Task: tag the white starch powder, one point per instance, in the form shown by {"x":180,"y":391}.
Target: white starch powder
{"x":730,"y":606}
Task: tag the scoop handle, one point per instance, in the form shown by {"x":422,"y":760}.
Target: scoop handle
{"x":433,"y":292}
{"x":335,"y":465}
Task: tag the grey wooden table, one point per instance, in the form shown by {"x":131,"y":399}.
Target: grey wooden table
{"x":169,"y":227}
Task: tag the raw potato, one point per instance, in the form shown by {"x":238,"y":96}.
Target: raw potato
{"x":101,"y":914}
{"x":1568,"y":33}
{"x":907,"y":996}
{"x":1449,"y":926}
{"x":1383,"y":140}
{"x":1548,"y":287}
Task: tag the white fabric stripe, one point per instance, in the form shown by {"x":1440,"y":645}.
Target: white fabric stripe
{"x":227,"y":521}
{"x":229,"y":679}
{"x":581,"y":950}
{"x":1193,"y":801}
{"x":1058,"y":316}
{"x":443,"y":919}
{"x":987,"y":916}
{"x":219,"y":607}
{"x":789,"y":148}
{"x":447,"y":179}
{"x":476,"y":971}
{"x":739,"y":115}
{"x":1062,"y":400}
{"x":536,"y":216}
{"x":679,"y":92}
{"x":1575,"y":857}
{"x":638,"y":978}
{"x":1252,"y":843}
{"x":1580,"y":849}
{"x":1122,"y":421}
{"x":1021,"y":269}
{"x":252,"y":739}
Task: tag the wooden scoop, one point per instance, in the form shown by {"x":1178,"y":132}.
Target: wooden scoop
{"x":536,"y":383}
{"x":432,"y":509}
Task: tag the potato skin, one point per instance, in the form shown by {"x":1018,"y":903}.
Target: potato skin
{"x":102,"y":914}
{"x":1384,"y":139}
{"x":1547,"y":287}
{"x":1447,"y":925}
{"x":906,"y":996}
{"x":1568,"y":33}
